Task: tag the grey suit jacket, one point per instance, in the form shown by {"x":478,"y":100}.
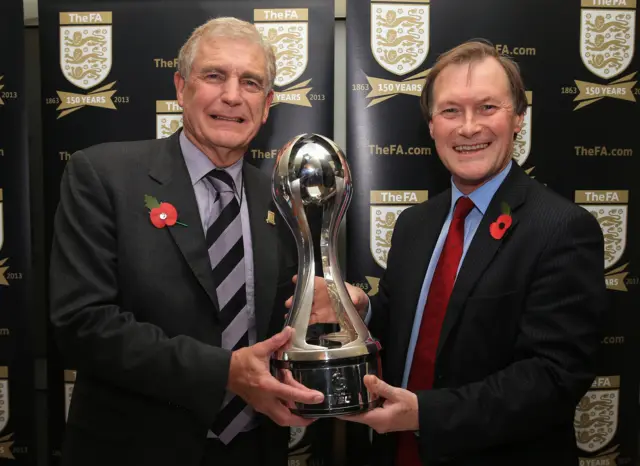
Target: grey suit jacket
{"x":134,"y":308}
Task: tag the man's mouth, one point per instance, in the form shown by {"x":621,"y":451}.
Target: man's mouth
{"x":225,"y":118}
{"x":469,"y":148}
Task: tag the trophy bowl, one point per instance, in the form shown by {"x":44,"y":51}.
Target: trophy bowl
{"x":311,"y":170}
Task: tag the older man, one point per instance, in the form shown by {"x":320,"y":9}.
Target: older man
{"x":169,"y":272}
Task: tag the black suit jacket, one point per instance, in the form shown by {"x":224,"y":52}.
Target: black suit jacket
{"x":134,"y":307}
{"x":517,"y":345}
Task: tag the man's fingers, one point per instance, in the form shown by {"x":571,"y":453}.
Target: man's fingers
{"x":289,"y":380}
{"x":359,"y":418}
{"x":380,"y":388}
{"x":289,"y":302}
{"x":358,"y":296}
{"x":372,"y":418}
{"x":281,"y":415}
{"x":377,"y":419}
{"x":265,"y":348}
{"x":297,"y":421}
{"x":320,"y":286}
{"x":288,"y":393}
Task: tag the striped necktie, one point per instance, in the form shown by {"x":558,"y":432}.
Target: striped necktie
{"x":226,"y":253}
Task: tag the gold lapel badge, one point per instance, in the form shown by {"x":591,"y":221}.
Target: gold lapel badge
{"x":271,"y":218}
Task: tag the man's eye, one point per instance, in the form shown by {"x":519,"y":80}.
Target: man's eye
{"x":252,"y":86}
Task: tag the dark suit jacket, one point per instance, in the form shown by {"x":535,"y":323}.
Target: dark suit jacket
{"x":516,"y":349}
{"x":134,"y":307}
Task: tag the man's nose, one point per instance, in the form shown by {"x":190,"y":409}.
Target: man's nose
{"x":469,"y":126}
{"x":231,"y":92}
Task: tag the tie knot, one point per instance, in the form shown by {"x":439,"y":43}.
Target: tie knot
{"x":221,"y":180}
{"x":463,"y":207}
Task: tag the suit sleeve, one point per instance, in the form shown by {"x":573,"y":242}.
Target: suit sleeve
{"x":99,"y":337}
{"x":559,"y":334}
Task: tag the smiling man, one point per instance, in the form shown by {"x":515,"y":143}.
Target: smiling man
{"x":168,"y":284}
{"x":490,"y":309}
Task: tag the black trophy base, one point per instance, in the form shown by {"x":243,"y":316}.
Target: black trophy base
{"x":341,"y":381}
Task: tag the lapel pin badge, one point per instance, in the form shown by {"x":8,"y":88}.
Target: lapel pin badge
{"x":271,"y":218}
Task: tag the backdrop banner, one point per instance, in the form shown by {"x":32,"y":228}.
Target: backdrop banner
{"x":579,"y":138}
{"x":17,"y":394}
{"x":107,"y":75}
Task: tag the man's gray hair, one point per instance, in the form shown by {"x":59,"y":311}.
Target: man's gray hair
{"x":229,"y":28}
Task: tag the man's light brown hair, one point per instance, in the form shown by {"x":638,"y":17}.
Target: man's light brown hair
{"x":470,"y":52}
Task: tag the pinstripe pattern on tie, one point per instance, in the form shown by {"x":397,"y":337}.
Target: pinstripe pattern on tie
{"x":226,"y":253}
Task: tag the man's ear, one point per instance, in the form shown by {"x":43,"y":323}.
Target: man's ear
{"x":518,"y":123}
{"x":179,"y":82}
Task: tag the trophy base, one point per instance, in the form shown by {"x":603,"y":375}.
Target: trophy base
{"x":341,"y":381}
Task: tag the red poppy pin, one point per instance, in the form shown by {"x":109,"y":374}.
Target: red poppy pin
{"x":502,"y":223}
{"x":161,"y":213}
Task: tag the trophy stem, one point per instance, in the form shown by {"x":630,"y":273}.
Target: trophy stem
{"x":352,"y":329}
{"x":331,"y":272}
{"x":312,"y":171}
{"x":303,"y":300}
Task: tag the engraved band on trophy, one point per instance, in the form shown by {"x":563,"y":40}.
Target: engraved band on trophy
{"x":311,"y":170}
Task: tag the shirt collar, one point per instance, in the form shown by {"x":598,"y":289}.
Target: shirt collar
{"x":482,"y":196}
{"x":199,"y":164}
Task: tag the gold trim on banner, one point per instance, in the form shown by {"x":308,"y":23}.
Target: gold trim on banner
{"x":5,"y":447}
{"x":281,"y":14}
{"x":69,"y":376}
{"x":383,"y":89}
{"x":374,"y":283}
{"x":168,"y":106}
{"x":615,"y":4}
{"x":592,"y":92}
{"x":612,"y":196}
{"x":1,"y":87}
{"x":614,"y":279}
{"x":399,"y":197}
{"x":529,"y":95}
{"x":86,"y":17}
{"x":100,"y":97}
{"x":3,"y":270}
{"x":607,"y":381}
{"x":4,"y":372}
{"x":1,"y":194}
{"x":293,"y":95}
{"x":298,"y":458}
{"x":604,"y":458}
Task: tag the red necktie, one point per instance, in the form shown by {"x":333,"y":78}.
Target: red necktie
{"x":424,"y":356}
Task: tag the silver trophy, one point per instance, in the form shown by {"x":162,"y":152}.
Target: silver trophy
{"x":311,"y":170}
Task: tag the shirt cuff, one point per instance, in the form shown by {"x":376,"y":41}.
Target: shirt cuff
{"x":367,"y":318}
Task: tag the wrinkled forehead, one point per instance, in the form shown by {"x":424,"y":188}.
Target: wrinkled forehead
{"x":474,"y":80}
{"x":230,"y":51}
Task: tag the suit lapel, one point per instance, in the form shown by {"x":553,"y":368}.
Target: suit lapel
{"x":264,"y":241}
{"x":483,"y":247}
{"x":425,"y":238}
{"x":174,"y":186}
